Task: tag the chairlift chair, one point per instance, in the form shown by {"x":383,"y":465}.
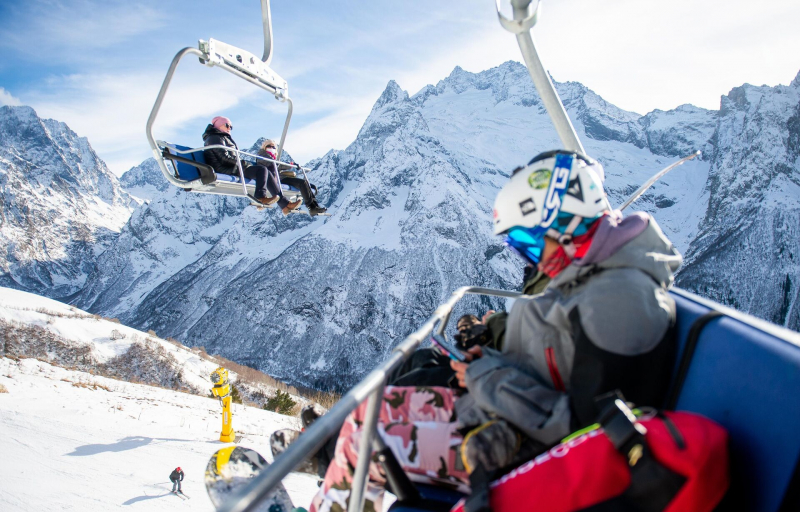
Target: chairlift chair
{"x":189,"y":169}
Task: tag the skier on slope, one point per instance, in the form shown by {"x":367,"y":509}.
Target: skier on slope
{"x":176,"y":477}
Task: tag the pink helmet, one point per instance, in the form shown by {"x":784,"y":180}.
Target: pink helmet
{"x":220,"y":121}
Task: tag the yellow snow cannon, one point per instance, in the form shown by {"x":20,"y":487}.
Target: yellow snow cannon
{"x":222,"y":390}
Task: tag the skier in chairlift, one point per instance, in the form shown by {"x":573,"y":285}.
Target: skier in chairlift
{"x":224,"y":161}
{"x":269,"y":149}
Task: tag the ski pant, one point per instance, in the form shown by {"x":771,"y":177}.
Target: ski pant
{"x":419,"y":425}
{"x":426,"y":367}
{"x":176,"y":483}
{"x":304,"y":188}
{"x":261,"y":174}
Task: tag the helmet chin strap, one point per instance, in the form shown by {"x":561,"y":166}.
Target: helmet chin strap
{"x":565,"y":239}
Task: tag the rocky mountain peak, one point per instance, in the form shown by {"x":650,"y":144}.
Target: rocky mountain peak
{"x":796,"y":82}
{"x":392,"y":94}
{"x":60,"y":194}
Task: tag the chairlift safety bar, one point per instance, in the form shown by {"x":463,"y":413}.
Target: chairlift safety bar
{"x":163,"y":144}
{"x":371,"y":387}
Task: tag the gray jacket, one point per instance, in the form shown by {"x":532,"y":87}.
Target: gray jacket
{"x":599,"y":326}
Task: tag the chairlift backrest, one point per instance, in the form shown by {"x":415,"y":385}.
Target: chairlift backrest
{"x":185,"y":170}
{"x":744,"y":374}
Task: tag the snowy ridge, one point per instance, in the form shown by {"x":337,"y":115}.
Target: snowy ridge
{"x":318,"y":302}
{"x":747,"y":254}
{"x":145,"y":181}
{"x":61,"y":207}
{"x":106,"y":341}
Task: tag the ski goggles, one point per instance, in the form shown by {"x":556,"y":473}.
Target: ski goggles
{"x":527,"y":242}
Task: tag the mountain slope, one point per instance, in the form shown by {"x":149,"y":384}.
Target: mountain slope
{"x":60,"y":206}
{"x":317,"y":302}
{"x":83,"y":442}
{"x":747,"y":254}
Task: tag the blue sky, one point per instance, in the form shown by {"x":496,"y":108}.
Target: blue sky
{"x":97,"y":64}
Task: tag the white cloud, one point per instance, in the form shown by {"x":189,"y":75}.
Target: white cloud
{"x":7,"y":99}
{"x":640,"y":56}
{"x":112,"y":110}
{"x":71,"y":31}
{"x":335,"y":131}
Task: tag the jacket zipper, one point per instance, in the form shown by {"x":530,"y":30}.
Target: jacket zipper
{"x":558,"y":382}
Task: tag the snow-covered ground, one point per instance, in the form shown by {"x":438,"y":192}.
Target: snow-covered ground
{"x":105,"y":338}
{"x":73,"y":441}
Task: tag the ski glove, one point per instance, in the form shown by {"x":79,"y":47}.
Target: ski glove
{"x":492,"y":445}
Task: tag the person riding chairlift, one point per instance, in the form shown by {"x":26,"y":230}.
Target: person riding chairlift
{"x":269,"y":149}
{"x":224,"y":161}
{"x":602,"y":324}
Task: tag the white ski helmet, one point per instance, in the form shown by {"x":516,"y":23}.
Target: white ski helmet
{"x":559,"y":194}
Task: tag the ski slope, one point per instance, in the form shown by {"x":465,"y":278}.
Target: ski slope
{"x":74,"y":441}
{"x":78,"y":441}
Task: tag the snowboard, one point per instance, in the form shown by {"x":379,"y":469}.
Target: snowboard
{"x":234,"y":467}
{"x":280,"y":440}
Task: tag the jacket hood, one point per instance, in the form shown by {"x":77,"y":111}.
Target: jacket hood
{"x":632,"y":242}
{"x":210,"y":130}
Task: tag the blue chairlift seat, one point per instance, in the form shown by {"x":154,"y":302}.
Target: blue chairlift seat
{"x":188,"y":172}
{"x":744,"y":378}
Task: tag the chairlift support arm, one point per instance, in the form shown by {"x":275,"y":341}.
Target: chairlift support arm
{"x":266,"y":20}
{"x":520,"y":26}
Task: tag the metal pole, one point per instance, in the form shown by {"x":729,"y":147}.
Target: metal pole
{"x":285,"y":129}
{"x":520,"y":26}
{"x":266,"y":19}
{"x":157,"y":106}
{"x":241,"y":171}
{"x":368,"y":432}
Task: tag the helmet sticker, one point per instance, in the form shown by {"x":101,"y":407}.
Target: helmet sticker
{"x":558,"y":186}
{"x":575,"y":190}
{"x":527,"y":206}
{"x":539,"y":179}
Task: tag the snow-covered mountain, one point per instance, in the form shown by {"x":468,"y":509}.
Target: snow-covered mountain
{"x":747,"y":254}
{"x":144,"y":181}
{"x":319,"y":301}
{"x":60,"y":206}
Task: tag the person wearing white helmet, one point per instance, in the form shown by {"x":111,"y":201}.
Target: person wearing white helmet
{"x":603,"y":324}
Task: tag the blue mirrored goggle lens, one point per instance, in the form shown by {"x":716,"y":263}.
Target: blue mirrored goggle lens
{"x":528,"y":243}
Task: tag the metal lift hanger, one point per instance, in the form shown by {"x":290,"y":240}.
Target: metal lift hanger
{"x":525,"y":18}
{"x":190,"y":170}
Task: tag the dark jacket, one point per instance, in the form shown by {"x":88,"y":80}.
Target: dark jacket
{"x":222,"y":160}
{"x":176,"y":475}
